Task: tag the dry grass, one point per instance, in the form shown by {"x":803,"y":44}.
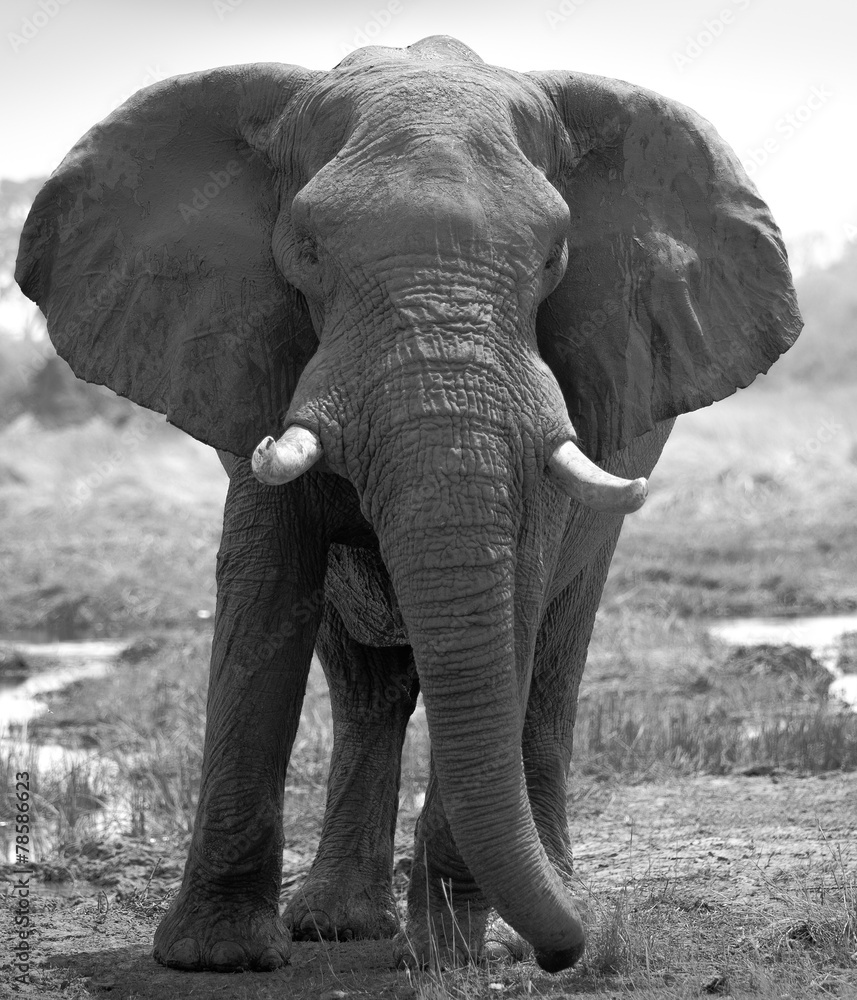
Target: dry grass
{"x":645,"y":939}
{"x":647,"y":739}
{"x":139,"y":731}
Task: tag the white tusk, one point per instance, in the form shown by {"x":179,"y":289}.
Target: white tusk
{"x":590,"y":485}
{"x":278,"y":462}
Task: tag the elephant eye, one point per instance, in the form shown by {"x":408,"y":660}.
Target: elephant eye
{"x":307,"y":249}
{"x":554,"y":267}
{"x":554,"y":258}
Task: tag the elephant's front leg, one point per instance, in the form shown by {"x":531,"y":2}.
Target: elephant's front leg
{"x":270,"y":577}
{"x":447,"y":911}
{"x":348,"y":893}
{"x":560,"y":657}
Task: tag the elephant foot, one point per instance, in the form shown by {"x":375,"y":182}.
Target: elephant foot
{"x":481,"y":936}
{"x":221,"y":936}
{"x":333,"y":910}
{"x":453,"y":939}
{"x":504,"y":943}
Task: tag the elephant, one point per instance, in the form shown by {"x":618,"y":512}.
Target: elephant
{"x":437,"y":318}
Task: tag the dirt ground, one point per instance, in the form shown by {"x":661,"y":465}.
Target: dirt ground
{"x":735,"y":857}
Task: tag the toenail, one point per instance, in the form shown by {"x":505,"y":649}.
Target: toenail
{"x":228,"y":955}
{"x":271,"y":958}
{"x":184,"y":954}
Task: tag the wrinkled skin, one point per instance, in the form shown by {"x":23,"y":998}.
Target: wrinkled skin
{"x":444,"y":271}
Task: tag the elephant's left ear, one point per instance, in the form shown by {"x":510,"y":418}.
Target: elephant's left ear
{"x":149,"y":250}
{"x":677,"y":290}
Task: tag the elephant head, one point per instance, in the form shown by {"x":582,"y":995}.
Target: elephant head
{"x":431,"y":277}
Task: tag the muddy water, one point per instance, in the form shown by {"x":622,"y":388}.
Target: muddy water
{"x":50,"y":666}
{"x":30,"y":671}
{"x":53,"y":666}
{"x":822,"y":634}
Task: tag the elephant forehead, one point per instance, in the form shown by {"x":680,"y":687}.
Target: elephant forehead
{"x":369,"y":108}
{"x":475,"y":192}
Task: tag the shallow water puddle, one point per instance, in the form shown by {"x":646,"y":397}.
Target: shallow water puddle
{"x":31,"y":670}
{"x":821,"y":634}
{"x":50,"y":666}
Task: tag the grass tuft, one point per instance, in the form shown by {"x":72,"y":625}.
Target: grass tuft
{"x":639,"y":738}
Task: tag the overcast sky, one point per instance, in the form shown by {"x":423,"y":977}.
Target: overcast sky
{"x":778,"y":78}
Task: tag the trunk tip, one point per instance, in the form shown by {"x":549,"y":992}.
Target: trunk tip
{"x":556,"y":961}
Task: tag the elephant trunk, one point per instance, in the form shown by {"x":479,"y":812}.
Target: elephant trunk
{"x":457,"y":601}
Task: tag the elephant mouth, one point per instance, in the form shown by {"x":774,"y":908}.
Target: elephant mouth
{"x":276,"y":462}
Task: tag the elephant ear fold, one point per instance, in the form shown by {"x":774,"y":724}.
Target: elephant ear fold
{"x":677,"y":290}
{"x":149,"y":251}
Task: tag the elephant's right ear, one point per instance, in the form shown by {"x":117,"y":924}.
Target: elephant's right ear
{"x":149,"y":251}
{"x":677,"y":289}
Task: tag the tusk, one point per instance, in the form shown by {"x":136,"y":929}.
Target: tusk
{"x":278,"y":462}
{"x":590,"y":485}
